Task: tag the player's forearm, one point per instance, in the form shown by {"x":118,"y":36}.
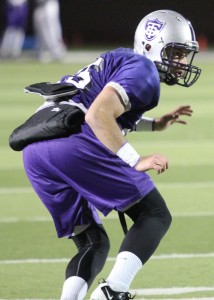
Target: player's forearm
{"x":109,"y":133}
{"x":106,"y":130}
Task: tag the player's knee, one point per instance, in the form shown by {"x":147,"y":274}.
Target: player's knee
{"x":153,"y":207}
{"x":162,"y":215}
{"x":102,"y":245}
{"x":166,"y":218}
{"x":95,"y":242}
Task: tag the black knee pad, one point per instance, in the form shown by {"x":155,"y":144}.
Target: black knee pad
{"x":151,"y":219}
{"x":153,"y":205}
{"x":93,"y":247}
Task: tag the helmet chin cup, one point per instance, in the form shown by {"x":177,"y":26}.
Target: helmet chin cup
{"x":170,"y":79}
{"x":165,"y":75}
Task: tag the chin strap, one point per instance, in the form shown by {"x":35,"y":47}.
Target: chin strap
{"x":123,"y":221}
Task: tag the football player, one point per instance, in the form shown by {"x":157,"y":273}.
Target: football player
{"x":14,"y":35}
{"x":97,"y":169}
{"x":47,"y":24}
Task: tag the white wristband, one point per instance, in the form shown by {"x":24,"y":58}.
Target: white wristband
{"x":145,"y":124}
{"x":128,"y":154}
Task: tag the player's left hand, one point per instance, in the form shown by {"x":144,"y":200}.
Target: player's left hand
{"x":173,"y":117}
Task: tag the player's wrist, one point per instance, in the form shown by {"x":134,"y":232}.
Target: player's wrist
{"x":128,"y":154}
{"x":145,"y":124}
{"x":154,"y":125}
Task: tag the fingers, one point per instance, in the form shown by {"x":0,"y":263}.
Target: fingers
{"x":160,"y":165}
{"x":176,"y":119}
{"x":180,"y":121}
{"x":184,"y":110}
{"x":175,"y":116}
{"x":181,"y":111}
{"x":160,"y":168}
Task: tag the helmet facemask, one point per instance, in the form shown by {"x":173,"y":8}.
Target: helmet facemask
{"x":174,"y":72}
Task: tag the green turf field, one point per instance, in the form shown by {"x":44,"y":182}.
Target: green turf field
{"x":33,"y":260}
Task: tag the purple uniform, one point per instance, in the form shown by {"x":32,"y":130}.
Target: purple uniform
{"x":75,"y":175}
{"x":17,"y":14}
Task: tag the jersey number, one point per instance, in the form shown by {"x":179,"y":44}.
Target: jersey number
{"x":84,"y":78}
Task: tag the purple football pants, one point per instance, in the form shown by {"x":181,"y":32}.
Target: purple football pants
{"x":76,"y":176}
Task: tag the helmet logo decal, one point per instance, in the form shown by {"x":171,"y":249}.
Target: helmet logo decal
{"x":152,"y":28}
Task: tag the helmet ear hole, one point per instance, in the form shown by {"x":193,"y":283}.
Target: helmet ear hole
{"x":148,"y":47}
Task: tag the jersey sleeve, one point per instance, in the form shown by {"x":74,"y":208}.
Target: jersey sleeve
{"x":137,"y":81}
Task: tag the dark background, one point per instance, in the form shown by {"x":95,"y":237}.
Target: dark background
{"x":103,"y":22}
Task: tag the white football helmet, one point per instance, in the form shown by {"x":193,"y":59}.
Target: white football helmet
{"x":158,"y":36}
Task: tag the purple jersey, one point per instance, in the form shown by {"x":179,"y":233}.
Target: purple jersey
{"x":136,"y":74}
{"x":75,"y":175}
{"x":17,"y":15}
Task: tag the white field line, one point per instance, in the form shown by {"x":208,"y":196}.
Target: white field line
{"x":205,"y":162}
{"x":16,"y":190}
{"x":160,"y":292}
{"x":113,"y":216}
{"x":168,"y":185}
{"x":198,"y":298}
{"x":28,"y":220}
{"x":110,"y":259}
{"x":177,"y":185}
{"x":27,"y":190}
{"x":170,"y":291}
